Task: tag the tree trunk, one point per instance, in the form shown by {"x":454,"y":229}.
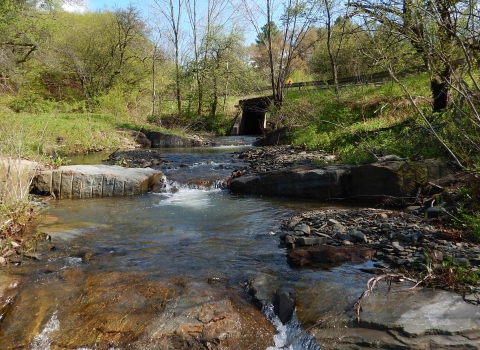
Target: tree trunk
{"x":440,"y":91}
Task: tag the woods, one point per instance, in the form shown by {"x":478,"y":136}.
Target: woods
{"x":185,"y":64}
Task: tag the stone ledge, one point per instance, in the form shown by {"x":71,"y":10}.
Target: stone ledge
{"x":90,"y":181}
{"x":374,"y":183}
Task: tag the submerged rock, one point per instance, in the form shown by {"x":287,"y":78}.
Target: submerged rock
{"x":329,"y":254}
{"x":122,"y":310}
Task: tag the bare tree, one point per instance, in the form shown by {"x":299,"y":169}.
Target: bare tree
{"x":172,"y":11}
{"x":295,"y":18}
{"x":336,"y":29}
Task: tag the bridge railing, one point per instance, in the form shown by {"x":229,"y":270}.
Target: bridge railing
{"x":378,"y":78}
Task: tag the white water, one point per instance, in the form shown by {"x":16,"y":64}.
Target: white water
{"x":286,"y":333}
{"x":42,"y":341}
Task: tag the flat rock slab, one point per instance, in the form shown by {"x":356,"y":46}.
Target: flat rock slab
{"x":90,"y":181}
{"x":420,"y":312}
{"x":375,"y":183}
{"x":416,"y":319}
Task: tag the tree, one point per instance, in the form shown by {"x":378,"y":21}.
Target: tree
{"x":335,"y":30}
{"x":438,"y":31}
{"x":345,"y":58}
{"x":295,"y":20}
{"x":172,"y":12}
{"x":102,"y":61}
{"x":216,"y":18}
{"x":444,"y":34}
{"x":268,"y":30}
{"x":222,"y":48}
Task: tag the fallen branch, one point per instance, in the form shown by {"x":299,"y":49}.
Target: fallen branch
{"x":372,"y":282}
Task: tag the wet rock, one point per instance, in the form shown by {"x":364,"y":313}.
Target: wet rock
{"x":259,"y":287}
{"x":304,"y":229}
{"x":284,"y":305}
{"x":310,"y":241}
{"x":34,"y":255}
{"x":202,"y":316}
{"x":328,"y":254}
{"x":124,"y":310}
{"x":9,"y":289}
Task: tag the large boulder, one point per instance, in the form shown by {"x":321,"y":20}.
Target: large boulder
{"x":378,"y":181}
{"x":89,"y":181}
{"x":374,"y":183}
{"x":322,"y":183}
{"x":163,"y":140}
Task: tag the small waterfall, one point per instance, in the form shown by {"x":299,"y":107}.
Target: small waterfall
{"x":286,"y":333}
{"x":170,"y":186}
{"x":42,"y":341}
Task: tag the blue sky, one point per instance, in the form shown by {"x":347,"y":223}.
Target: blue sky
{"x":95,"y":5}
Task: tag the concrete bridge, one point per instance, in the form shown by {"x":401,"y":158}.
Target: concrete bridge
{"x":252,"y":119}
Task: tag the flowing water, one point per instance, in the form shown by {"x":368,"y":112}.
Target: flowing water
{"x":193,"y":234}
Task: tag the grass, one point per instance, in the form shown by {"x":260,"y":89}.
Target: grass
{"x":61,"y":134}
{"x":16,"y":174}
{"x":367,"y":120}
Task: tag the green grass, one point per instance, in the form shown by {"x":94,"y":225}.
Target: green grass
{"x":63,"y":134}
{"x":361,"y":121}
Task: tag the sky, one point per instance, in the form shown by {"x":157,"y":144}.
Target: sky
{"x":94,"y":5}
{"x":82,"y":6}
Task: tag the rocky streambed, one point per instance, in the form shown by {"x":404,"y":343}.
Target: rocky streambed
{"x":120,"y":308}
{"x":393,"y":237}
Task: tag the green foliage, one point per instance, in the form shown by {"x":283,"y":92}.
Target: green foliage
{"x":16,"y":209}
{"x":471,"y":221}
{"x":363,"y":121}
{"x":62,"y":134}
{"x":32,"y":104}
{"x":449,"y":273}
{"x":268,"y":28}
{"x":219,"y":124}
{"x":469,"y":210}
{"x":460,"y":272}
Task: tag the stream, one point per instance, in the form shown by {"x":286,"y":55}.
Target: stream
{"x":194,"y":234}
